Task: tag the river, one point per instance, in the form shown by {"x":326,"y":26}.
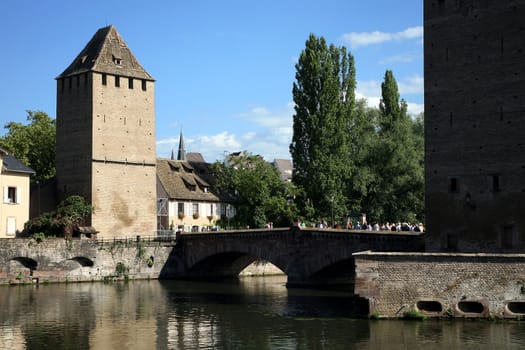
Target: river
{"x":252,"y":313}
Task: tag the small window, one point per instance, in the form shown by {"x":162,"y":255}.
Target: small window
{"x":117,"y":60}
{"x":453,"y":185}
{"x":11,"y":225}
{"x":143,"y":85}
{"x":496,"y":183}
{"x":195,"y":207}
{"x":181,"y":208}
{"x":507,"y":238}
{"x":117,"y":81}
{"x":130,"y":83}
{"x":10,"y":195}
{"x":104,"y":79}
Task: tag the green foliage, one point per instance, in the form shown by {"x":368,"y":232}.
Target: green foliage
{"x":259,"y":194}
{"x":349,"y":157}
{"x":70,"y":213}
{"x":375,"y":316}
{"x":38,"y":236}
{"x":414,"y":315}
{"x":33,"y":144}
{"x":121,"y":269}
{"x":324,"y":102}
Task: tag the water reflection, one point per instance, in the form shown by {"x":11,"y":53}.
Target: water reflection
{"x":253,"y":313}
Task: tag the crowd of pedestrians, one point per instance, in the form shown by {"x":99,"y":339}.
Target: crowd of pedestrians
{"x":392,"y":227}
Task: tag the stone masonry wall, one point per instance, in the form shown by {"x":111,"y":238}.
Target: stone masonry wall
{"x":61,"y":260}
{"x":465,"y":285}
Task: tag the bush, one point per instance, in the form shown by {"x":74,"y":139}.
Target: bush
{"x":414,"y":315}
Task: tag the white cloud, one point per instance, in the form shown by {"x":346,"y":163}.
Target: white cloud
{"x":356,"y":40}
{"x":401,"y":58}
{"x":270,"y":136}
{"x":412,"y":85}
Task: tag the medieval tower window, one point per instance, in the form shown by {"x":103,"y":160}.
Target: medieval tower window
{"x":130,"y":83}
{"x":117,"y":81}
{"x":104,"y":79}
{"x":453,"y":185}
{"x":143,"y":85}
{"x":496,"y":183}
{"x":117,"y":60}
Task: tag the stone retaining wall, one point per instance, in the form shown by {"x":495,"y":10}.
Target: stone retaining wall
{"x":61,"y":260}
{"x":442,"y":285}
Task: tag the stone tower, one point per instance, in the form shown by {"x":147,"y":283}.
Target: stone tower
{"x":105,"y":149}
{"x":475,"y":125}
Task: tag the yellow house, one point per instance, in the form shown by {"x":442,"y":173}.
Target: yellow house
{"x":14,"y":182}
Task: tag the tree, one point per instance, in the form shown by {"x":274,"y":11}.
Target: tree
{"x":324,"y":96}
{"x":397,"y":159}
{"x":33,"y":144}
{"x":71,"y":213}
{"x":260,"y":195}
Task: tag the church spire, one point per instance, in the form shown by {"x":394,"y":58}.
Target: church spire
{"x":181,"y":155}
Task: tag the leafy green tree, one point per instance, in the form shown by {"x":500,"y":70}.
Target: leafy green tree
{"x":324,"y":96}
{"x":396,"y":158}
{"x":71,"y":213}
{"x":260,"y":195}
{"x":33,"y":144}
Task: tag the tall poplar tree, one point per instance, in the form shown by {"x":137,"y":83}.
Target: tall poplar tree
{"x":398,"y":191}
{"x":324,"y":96}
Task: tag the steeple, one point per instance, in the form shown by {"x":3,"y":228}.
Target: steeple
{"x":181,"y":155}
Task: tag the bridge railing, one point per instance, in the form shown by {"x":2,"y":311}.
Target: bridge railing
{"x":158,"y":238}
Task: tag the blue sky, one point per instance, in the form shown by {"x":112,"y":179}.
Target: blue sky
{"x":224,"y":70}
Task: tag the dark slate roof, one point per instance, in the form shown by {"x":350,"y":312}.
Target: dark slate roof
{"x":178,"y":177}
{"x":15,"y":165}
{"x":107,"y":53}
{"x":195,"y":157}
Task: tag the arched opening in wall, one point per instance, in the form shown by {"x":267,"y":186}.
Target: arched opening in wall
{"x":222,"y":265}
{"x":26,"y":262}
{"x":21,"y":268}
{"x":516,"y":307}
{"x":429,"y":306}
{"x":471,"y":307}
{"x":83,"y":261}
{"x":261,"y":267}
{"x":337,"y":275}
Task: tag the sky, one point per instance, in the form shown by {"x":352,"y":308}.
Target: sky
{"x":224,"y":70}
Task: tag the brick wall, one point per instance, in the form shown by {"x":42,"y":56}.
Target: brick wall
{"x":395,"y":282}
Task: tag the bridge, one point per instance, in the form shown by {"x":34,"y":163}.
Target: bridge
{"x":307,"y":256}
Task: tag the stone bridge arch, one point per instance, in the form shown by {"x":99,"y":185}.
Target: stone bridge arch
{"x":306,"y":256}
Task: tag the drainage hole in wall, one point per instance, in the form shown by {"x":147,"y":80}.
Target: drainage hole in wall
{"x":429,"y":306}
{"x":471,"y":307}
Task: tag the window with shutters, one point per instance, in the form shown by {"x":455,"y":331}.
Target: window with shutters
{"x":11,"y":195}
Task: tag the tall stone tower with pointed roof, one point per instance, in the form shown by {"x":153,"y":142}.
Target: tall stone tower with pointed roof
{"x":106,"y":136}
